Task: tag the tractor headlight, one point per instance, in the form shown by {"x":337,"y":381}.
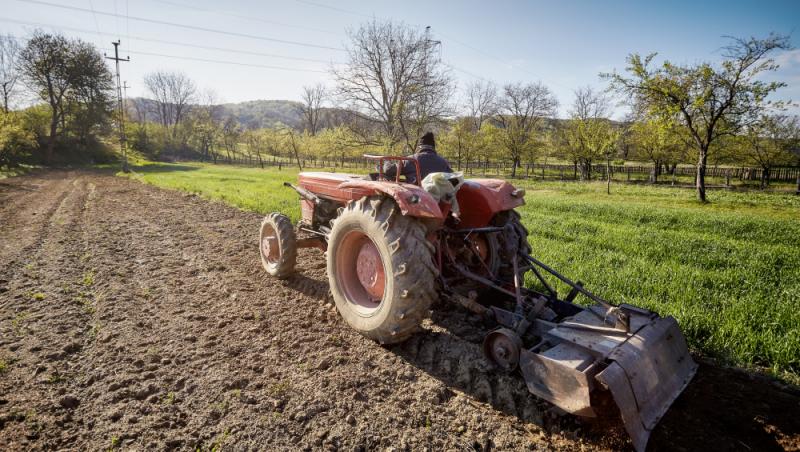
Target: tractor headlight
{"x":413,"y":199}
{"x":518,"y":193}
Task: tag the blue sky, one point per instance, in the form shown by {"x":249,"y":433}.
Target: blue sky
{"x":564,"y":44}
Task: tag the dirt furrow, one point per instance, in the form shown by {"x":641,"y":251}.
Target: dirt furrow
{"x":45,"y":325}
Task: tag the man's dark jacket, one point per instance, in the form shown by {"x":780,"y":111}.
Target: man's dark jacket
{"x":429,"y":162}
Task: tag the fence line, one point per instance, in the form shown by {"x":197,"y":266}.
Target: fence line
{"x":540,"y":170}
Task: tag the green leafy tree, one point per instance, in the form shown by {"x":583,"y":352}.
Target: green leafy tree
{"x":460,"y":142}
{"x":71,"y":77}
{"x":15,"y":138}
{"x":709,"y":101}
{"x":657,"y":142}
{"x":589,"y":134}
{"x":769,"y":143}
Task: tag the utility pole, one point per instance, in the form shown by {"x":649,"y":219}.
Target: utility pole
{"x":123,"y":145}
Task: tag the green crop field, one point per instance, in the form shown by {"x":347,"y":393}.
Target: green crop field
{"x":729,"y":271}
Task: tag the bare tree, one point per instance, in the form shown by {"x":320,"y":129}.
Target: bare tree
{"x":9,"y":72}
{"x":231,"y":132}
{"x":173,"y":93}
{"x":393,"y":80}
{"x":589,"y":104}
{"x":481,"y":102}
{"x":313,"y":98}
{"x":207,"y":117}
{"x":522,"y":109}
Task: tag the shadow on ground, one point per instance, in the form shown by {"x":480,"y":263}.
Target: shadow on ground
{"x":722,"y":409}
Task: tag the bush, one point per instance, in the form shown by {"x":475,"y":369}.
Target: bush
{"x":16,"y":139}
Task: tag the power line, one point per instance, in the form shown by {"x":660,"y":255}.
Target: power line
{"x":162,"y":41}
{"x":96,"y":24}
{"x":188,"y":27}
{"x":241,"y":16}
{"x":127,"y":22}
{"x":334,"y":8}
{"x":116,"y":16}
{"x":235,"y":63}
{"x":464,"y":71}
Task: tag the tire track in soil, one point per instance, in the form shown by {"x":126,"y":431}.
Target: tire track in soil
{"x":43,"y":327}
{"x":187,"y":343}
{"x":24,"y":220}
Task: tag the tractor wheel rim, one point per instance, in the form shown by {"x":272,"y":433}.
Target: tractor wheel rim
{"x":369,"y":269}
{"x":269,"y":245}
{"x":360,"y":272}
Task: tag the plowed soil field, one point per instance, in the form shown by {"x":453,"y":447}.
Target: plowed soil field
{"x":138,"y":318}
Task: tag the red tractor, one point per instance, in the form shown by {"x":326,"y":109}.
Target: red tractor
{"x":394,"y":248}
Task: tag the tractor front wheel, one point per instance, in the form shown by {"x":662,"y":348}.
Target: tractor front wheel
{"x":278,"y":245}
{"x":380,"y":268}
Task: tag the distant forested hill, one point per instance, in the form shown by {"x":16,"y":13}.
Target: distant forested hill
{"x":255,"y":114}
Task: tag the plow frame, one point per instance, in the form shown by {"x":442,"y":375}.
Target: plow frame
{"x":630,"y":354}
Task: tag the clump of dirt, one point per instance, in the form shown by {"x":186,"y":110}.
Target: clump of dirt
{"x":135,"y":317}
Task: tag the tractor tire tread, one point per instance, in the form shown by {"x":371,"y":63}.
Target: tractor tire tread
{"x":287,"y":241}
{"x":414,"y":287}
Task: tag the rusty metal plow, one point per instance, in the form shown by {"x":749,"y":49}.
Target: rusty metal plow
{"x":584,"y":354}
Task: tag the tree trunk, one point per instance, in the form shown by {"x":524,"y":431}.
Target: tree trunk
{"x":297,"y":156}
{"x":513,"y":168}
{"x":764,"y":177}
{"x":51,"y":140}
{"x":608,"y":175}
{"x":656,"y":170}
{"x":701,"y":175}
{"x":797,"y":192}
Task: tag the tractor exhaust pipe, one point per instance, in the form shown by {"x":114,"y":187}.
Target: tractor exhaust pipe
{"x":305,"y":194}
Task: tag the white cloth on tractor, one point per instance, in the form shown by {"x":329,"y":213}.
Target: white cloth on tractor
{"x":443,"y":187}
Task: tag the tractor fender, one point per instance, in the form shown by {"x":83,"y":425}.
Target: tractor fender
{"x":482,"y":199}
{"x":412,"y":199}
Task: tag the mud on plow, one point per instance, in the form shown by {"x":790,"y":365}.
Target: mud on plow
{"x":393,"y":249}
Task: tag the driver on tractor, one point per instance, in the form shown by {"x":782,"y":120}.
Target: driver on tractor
{"x":429,"y":162}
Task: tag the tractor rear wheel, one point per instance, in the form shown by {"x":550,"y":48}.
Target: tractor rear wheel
{"x":381,"y":270}
{"x":278,"y":245}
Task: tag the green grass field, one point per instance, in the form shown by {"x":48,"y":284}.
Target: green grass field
{"x":729,"y":271}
